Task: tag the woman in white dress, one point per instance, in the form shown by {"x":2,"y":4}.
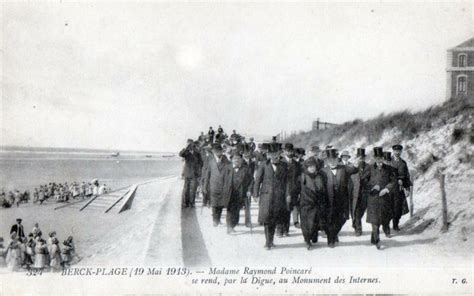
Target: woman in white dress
{"x":41,"y":251}
{"x":55,"y":256}
{"x":14,"y":253}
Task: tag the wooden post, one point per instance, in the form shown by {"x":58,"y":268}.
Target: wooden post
{"x":412,"y":208}
{"x":442,"y":179}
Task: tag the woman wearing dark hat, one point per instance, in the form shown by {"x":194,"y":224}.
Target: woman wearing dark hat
{"x":313,"y":202}
{"x":381,"y":180}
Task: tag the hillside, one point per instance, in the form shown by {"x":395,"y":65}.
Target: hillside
{"x":439,"y":137}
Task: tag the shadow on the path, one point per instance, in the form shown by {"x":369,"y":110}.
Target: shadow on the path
{"x":390,"y":243}
{"x":194,"y":249}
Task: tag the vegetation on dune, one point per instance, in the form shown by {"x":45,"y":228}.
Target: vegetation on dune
{"x":409,"y":124}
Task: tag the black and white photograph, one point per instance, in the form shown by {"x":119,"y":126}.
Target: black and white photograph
{"x":236,"y":148}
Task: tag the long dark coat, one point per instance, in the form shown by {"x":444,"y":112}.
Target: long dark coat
{"x":338,"y":192}
{"x":239,"y":186}
{"x":400,"y":204}
{"x":216,"y":181}
{"x":379,"y":209}
{"x":192,"y":163}
{"x":272,"y":189}
{"x":360,"y":191}
{"x":294,"y":180}
{"x":313,"y":204}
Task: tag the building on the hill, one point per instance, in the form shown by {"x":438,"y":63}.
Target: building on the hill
{"x":320,"y":125}
{"x":460,"y":70}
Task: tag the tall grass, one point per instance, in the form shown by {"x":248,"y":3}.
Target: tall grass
{"x":410,"y":125}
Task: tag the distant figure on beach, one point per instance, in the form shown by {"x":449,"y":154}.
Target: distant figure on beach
{"x":18,"y":228}
{"x":41,"y":252}
{"x":55,"y":255}
{"x":36,"y":230}
{"x":3,"y":262}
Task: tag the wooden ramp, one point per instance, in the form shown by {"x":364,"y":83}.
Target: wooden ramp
{"x":101,"y":203}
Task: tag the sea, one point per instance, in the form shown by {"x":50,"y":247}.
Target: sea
{"x":25,"y":168}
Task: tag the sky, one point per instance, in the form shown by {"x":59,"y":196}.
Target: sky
{"x":149,"y":76}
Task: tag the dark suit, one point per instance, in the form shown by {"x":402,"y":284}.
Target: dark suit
{"x":240,"y":180}
{"x":338,"y":197}
{"x":18,"y":229}
{"x":360,"y":192}
{"x":251,"y":164}
{"x":294,"y":189}
{"x":191,"y":174}
{"x":272,"y":188}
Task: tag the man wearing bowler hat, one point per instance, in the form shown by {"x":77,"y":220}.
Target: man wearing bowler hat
{"x":360,"y":192}
{"x":381,"y":181}
{"x":215,"y":182}
{"x":271,"y":188}
{"x":191,"y":173}
{"x":400,"y":205}
{"x":338,"y":177}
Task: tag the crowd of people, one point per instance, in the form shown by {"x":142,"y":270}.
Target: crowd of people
{"x":319,"y":189}
{"x":34,"y":251}
{"x":58,"y":192}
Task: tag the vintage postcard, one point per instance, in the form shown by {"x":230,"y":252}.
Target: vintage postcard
{"x":237,"y":148}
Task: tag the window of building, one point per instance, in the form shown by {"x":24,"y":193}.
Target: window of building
{"x":462,"y":85}
{"x":462,"y":60}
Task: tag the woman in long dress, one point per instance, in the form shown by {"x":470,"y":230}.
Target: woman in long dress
{"x":41,"y":251}
{"x":55,"y":256}
{"x":14,"y":254}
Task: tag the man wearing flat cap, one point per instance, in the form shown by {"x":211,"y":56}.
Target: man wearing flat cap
{"x":191,"y":173}
{"x":18,"y":229}
{"x":381,"y":180}
{"x":215,"y":182}
{"x":338,"y":177}
{"x":400,"y":205}
{"x":271,"y":188}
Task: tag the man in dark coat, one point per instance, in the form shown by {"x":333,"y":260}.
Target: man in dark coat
{"x":313,"y":202}
{"x":211,"y":133}
{"x":18,"y":229}
{"x":381,"y":180}
{"x":216,"y":182}
{"x":239,"y":179}
{"x":400,"y":205}
{"x":338,"y":176}
{"x":205,"y":165}
{"x":271,"y":188}
{"x":250,"y":162}
{"x":360,"y":193}
{"x":294,"y":187}
{"x":191,"y":173}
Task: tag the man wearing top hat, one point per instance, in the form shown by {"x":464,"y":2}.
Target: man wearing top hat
{"x":211,"y":133}
{"x":239,"y":180}
{"x":400,"y":205}
{"x":271,"y":188}
{"x":381,"y":181}
{"x":249,"y":161}
{"x":191,"y":173}
{"x":360,"y":192}
{"x":215,"y":182}
{"x":294,"y":188}
{"x":338,"y":177}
